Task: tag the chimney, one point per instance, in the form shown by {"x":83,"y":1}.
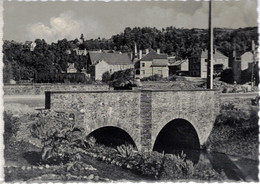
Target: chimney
{"x":158,"y":51}
{"x":135,"y":52}
{"x":234,"y":53}
{"x":131,"y":56}
{"x":140,"y":54}
{"x":253,"y":45}
{"x":146,"y":51}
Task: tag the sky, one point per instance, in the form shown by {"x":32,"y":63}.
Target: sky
{"x":57,"y":20}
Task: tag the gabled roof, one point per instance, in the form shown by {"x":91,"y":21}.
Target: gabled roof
{"x":177,"y":62}
{"x":216,"y":55}
{"x":110,"y":58}
{"x":71,"y":66}
{"x":153,"y":55}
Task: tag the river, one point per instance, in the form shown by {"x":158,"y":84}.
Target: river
{"x":236,"y":168}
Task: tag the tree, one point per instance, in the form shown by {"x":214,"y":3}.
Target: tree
{"x":7,"y":72}
{"x":106,"y":77}
{"x":227,"y":76}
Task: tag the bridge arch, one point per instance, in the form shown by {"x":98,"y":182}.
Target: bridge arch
{"x":177,"y":136}
{"x":112,"y":136}
{"x":202,"y":127}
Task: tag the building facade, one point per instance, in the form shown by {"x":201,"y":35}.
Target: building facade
{"x":178,"y":67}
{"x":198,"y":64}
{"x":242,"y":66}
{"x":153,"y":63}
{"x":247,"y":59}
{"x":71,"y":68}
{"x":108,"y":62}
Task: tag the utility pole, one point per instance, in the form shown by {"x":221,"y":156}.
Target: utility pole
{"x":210,"y":50}
{"x":253,"y":64}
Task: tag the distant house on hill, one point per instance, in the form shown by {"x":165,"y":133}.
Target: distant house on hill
{"x":153,"y":63}
{"x":102,"y":62}
{"x":30,"y":44}
{"x":178,"y":66}
{"x":71,"y":68}
{"x":81,"y":52}
{"x":198,"y":63}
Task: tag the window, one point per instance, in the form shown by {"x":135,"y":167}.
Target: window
{"x":143,"y":72}
{"x":143,"y":64}
{"x":160,"y":72}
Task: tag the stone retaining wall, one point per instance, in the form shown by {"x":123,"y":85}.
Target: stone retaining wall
{"x":39,"y":89}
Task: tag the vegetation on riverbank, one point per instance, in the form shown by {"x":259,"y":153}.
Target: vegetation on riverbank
{"x":236,"y":129}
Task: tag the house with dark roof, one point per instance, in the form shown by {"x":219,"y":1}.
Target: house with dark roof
{"x":178,"y":67}
{"x":198,"y":63}
{"x":153,"y":63}
{"x":107,"y":62}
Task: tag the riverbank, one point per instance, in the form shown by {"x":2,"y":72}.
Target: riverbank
{"x":235,"y":131}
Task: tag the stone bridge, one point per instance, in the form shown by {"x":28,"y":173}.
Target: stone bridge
{"x":142,"y":114}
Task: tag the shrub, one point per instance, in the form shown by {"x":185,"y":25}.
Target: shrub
{"x":227,"y":76}
{"x":11,"y":126}
{"x":106,"y":77}
{"x":177,"y":167}
{"x":91,"y":141}
{"x":125,"y":151}
{"x":151,"y":164}
{"x":124,"y":79}
{"x":61,"y":140}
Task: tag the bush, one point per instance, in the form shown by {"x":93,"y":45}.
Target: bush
{"x":177,"y":167}
{"x":123,"y":79}
{"x":125,"y":151}
{"x":11,"y":126}
{"x":106,"y":77}
{"x":227,"y":76}
{"x":61,"y":139}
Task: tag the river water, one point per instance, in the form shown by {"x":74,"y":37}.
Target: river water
{"x":235,"y":168}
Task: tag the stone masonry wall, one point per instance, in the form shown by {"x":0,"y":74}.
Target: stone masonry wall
{"x":146,"y":119}
{"x":39,"y":89}
{"x":200,"y":108}
{"x":142,"y":114}
{"x":99,"y":109}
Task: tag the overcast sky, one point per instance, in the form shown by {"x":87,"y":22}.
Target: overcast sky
{"x":57,"y":20}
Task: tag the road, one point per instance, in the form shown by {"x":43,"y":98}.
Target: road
{"x":35,"y":101}
{"x":38,"y":101}
{"x":239,"y":95}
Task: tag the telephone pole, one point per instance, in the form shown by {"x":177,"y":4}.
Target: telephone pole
{"x":253,"y":64}
{"x":210,"y":51}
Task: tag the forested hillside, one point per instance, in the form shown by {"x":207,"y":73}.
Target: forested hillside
{"x":182,"y":41}
{"x":21,"y":63}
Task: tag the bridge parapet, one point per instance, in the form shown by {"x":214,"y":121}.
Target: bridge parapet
{"x":142,"y":114}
